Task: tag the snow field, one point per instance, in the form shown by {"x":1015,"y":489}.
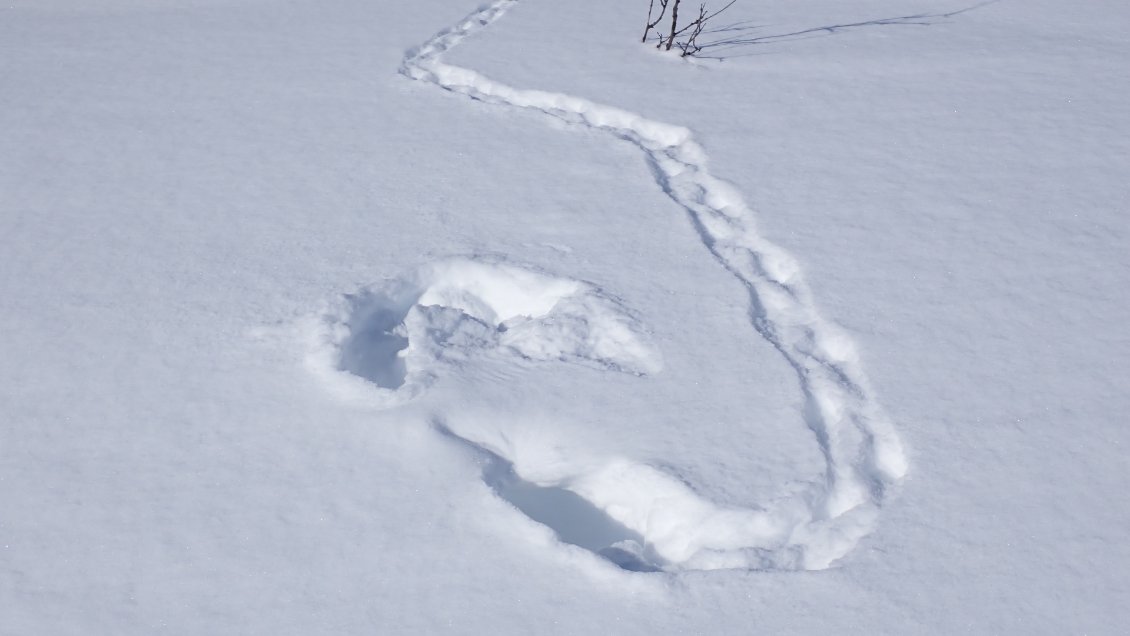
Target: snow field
{"x":180,"y":180}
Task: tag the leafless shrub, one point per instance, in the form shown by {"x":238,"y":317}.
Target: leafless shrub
{"x":685,"y":37}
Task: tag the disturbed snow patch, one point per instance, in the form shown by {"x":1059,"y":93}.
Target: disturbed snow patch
{"x":388,"y":342}
{"x":398,"y":334}
{"x":572,"y":518}
{"x":644,"y":519}
{"x":863,"y":453}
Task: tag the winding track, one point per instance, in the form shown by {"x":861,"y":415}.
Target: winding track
{"x":863,"y":453}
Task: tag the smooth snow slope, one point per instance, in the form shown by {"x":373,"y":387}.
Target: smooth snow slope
{"x":191,"y":191}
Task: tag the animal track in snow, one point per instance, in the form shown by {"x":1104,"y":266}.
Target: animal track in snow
{"x":398,"y":335}
{"x":393,"y":335}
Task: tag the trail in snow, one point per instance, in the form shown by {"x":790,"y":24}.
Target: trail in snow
{"x":675,"y":529}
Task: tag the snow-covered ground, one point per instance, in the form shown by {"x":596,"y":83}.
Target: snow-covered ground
{"x":373,"y":317}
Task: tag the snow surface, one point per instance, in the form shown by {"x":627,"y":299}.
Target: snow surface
{"x":825,"y":330}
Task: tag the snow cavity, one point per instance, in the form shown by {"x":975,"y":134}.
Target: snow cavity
{"x":399,"y":334}
{"x":574,"y":519}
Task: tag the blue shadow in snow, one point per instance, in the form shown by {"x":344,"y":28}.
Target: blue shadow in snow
{"x":572,"y":518}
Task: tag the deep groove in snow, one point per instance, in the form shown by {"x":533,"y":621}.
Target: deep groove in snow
{"x":574,"y":519}
{"x":863,"y":453}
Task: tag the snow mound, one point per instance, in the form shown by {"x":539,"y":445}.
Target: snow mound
{"x":396,"y":336}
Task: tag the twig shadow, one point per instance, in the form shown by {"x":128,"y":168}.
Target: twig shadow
{"x":738,"y":38}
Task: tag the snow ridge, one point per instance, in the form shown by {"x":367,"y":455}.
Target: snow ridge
{"x":863,"y":453}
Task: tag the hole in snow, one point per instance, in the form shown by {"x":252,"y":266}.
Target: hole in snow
{"x":571,"y":517}
{"x":372,"y":350}
{"x":397,"y":334}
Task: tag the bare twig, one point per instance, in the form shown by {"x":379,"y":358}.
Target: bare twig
{"x":674,"y":26}
{"x":650,"y":23}
{"x":690,"y":46}
{"x":691,"y":30}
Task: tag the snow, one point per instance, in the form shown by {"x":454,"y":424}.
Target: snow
{"x":821,"y":331}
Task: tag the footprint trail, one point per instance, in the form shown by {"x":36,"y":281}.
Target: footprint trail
{"x":863,"y":454}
